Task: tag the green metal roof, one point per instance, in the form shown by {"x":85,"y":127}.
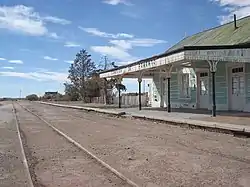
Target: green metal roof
{"x":219,"y":36}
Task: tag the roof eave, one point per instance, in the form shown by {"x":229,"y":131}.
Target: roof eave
{"x":185,"y":48}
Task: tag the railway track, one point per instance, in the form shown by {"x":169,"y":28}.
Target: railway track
{"x":75,"y":114}
{"x":52,"y":158}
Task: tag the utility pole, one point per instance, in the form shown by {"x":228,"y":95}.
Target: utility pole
{"x":105,"y":62}
{"x":105,"y":81}
{"x":20,"y":94}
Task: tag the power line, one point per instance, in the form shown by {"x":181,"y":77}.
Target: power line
{"x":105,"y":81}
{"x":20,"y":94}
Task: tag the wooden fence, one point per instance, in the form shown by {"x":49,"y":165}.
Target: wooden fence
{"x":126,"y":99}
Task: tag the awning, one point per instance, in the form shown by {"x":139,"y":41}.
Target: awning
{"x":186,"y":54}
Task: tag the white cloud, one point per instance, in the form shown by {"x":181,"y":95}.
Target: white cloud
{"x":97,"y":32}
{"x":38,"y":76}
{"x":53,"y":35}
{"x":15,"y":74}
{"x":71,"y":44}
{"x":8,"y":67}
{"x":146,"y":42}
{"x":16,"y":61}
{"x":119,"y":50}
{"x":56,"y":20}
{"x":233,"y":2}
{"x":113,"y":51}
{"x":124,"y":44}
{"x":2,"y":59}
{"x":69,"y":61}
{"x":24,"y":19}
{"x":49,"y":58}
{"x":139,"y":42}
{"x":239,"y":7}
{"x":117,"y":2}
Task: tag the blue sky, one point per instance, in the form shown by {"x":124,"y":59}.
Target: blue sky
{"x":39,"y":38}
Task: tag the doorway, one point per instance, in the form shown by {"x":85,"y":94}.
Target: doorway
{"x":237,"y":88}
{"x":204,"y":90}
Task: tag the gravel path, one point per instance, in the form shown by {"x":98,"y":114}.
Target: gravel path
{"x":154,"y":154}
{"x":12,"y":172}
{"x":53,"y":161}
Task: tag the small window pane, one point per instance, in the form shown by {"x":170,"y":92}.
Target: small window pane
{"x":204,"y":87}
{"x":234,"y":91}
{"x":204,"y":74}
{"x":241,"y":90}
{"x":235,"y":80}
{"x":185,"y":85}
{"x":238,"y":70}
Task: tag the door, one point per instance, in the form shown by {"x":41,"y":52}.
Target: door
{"x":163,"y":92}
{"x":237,"y":89}
{"x":204,"y":91}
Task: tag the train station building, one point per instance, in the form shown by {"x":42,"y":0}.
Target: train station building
{"x":208,"y":70}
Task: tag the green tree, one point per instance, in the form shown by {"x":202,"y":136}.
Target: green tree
{"x":93,"y":86}
{"x":71,"y":91}
{"x":80,"y":71}
{"x":32,"y":97}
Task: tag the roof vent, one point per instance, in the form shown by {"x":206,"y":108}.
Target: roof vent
{"x":235,"y":22}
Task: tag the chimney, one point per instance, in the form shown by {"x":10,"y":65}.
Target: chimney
{"x":235,"y":22}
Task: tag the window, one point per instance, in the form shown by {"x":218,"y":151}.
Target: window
{"x":204,"y":74}
{"x":242,"y":85}
{"x":238,"y":85}
{"x":204,"y":87}
{"x":185,"y":93}
{"x":238,"y":82}
{"x":237,"y":70}
{"x":204,"y":83}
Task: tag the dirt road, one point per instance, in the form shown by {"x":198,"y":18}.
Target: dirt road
{"x":154,"y":154}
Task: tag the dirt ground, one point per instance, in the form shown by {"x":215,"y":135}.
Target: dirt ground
{"x":53,"y":161}
{"x":12,"y":173}
{"x":155,"y":154}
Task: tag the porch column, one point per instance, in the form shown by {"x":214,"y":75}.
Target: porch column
{"x":213,"y":68}
{"x":119,"y":98}
{"x":119,"y":81}
{"x":169,"y":103}
{"x":168,"y":70}
{"x":139,"y":84}
{"x":139,"y":88}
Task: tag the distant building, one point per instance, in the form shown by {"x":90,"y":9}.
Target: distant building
{"x":50,"y":95}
